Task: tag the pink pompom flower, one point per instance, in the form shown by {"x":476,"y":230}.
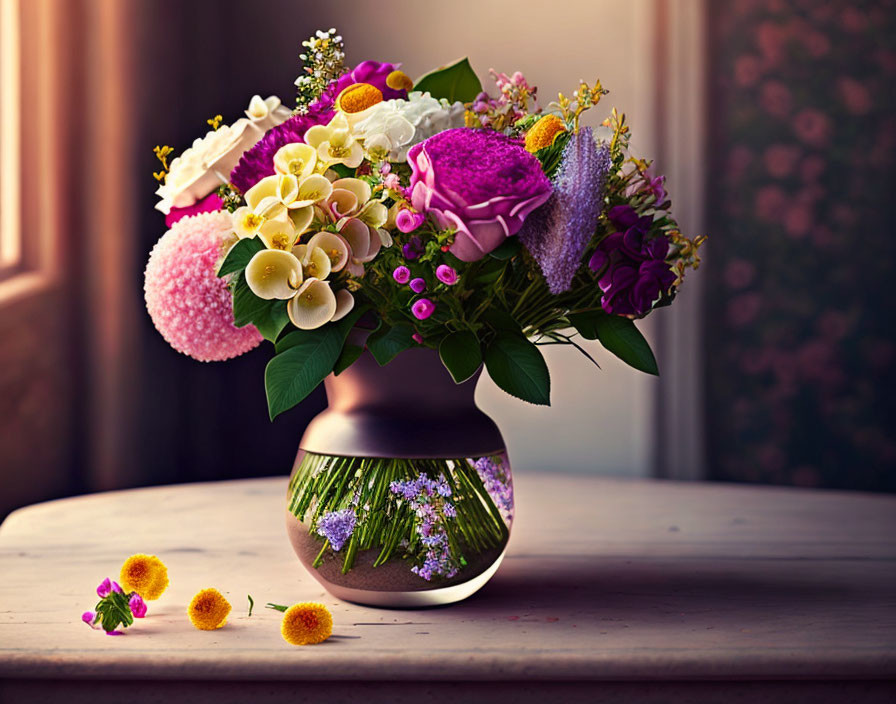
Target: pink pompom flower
{"x":423,"y":308}
{"x":189,"y":305}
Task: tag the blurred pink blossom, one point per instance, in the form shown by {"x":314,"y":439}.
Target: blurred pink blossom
{"x":813,"y":127}
{"x":780,"y":159}
{"x":776,"y":98}
{"x":812,"y":167}
{"x":739,"y":159}
{"x":798,"y":220}
{"x":770,"y":40}
{"x":746,"y":70}
{"x":739,"y":273}
{"x":853,"y":20}
{"x":743,"y":309}
{"x":854,"y":95}
{"x":816,"y":43}
{"x":770,"y":201}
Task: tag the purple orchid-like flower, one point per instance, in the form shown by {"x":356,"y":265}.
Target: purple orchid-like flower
{"x":480,"y":183}
{"x":373,"y":72}
{"x":558,"y":233}
{"x":633,"y":270}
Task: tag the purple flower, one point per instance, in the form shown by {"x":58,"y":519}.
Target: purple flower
{"x":104,"y":588}
{"x":423,"y":308}
{"x":446,"y":274}
{"x":418,"y":285}
{"x":258,"y":162}
{"x":558,"y":233}
{"x":633,"y":270}
{"x":337,"y":527}
{"x":413,"y":249}
{"x":408,"y":221}
{"x":401,"y":274}
{"x":478,"y":182}
{"x":496,"y":482}
{"x":373,"y":72}
{"x":137,"y":605}
{"x":89,"y":617}
{"x":116,"y":587}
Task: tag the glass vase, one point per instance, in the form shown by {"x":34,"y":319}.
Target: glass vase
{"x":401,"y":494}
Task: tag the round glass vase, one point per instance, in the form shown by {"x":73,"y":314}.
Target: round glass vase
{"x":401,"y":495}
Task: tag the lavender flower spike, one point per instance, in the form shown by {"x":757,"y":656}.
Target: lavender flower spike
{"x":559,"y":231}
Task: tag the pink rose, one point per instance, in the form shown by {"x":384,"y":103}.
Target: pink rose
{"x":478,"y":182}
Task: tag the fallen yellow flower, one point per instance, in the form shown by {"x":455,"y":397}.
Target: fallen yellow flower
{"x":144,"y":574}
{"x":208,"y":610}
{"x":306,"y":623}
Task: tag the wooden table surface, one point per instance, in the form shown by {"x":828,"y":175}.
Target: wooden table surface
{"x":611,"y":591}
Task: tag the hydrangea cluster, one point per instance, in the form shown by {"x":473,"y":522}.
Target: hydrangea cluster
{"x":428,"y":499}
{"x":497,"y":483}
{"x":337,"y":527}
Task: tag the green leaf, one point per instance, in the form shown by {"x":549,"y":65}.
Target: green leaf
{"x":461,"y":354}
{"x":516,"y":365}
{"x":387,"y":342}
{"x":347,"y":358}
{"x":501,"y":321}
{"x":343,"y":171}
{"x":585,"y":323}
{"x":507,"y":249}
{"x":458,"y":81}
{"x":270,"y":317}
{"x":239,"y":255}
{"x":622,"y":338}
{"x":296,"y":371}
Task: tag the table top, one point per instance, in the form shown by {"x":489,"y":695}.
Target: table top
{"x":604,"y":580}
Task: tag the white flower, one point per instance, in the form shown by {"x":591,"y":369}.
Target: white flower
{"x":394,"y":126}
{"x":208,"y":162}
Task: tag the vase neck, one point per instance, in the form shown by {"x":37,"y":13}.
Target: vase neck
{"x":410,"y":408}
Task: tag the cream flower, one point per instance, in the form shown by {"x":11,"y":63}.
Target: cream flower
{"x":313,"y":305}
{"x":267,"y":113}
{"x":397,"y":125}
{"x":364,"y":241}
{"x":246,"y":223}
{"x":315,"y":262}
{"x":335,"y":247}
{"x":297,"y":159}
{"x":335,"y":144}
{"x":274,"y":274}
{"x":207,"y":164}
{"x":278,"y":233}
{"x":345,"y":301}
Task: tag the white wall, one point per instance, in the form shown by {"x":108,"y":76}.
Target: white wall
{"x":600,"y":420}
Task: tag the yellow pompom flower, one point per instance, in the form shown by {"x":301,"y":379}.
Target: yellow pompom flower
{"x":399,"y":80}
{"x":208,"y":610}
{"x":544,"y":132}
{"x":358,"y":97}
{"x":306,"y":623}
{"x":144,"y":574}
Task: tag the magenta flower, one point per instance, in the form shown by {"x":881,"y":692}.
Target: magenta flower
{"x":209,"y":204}
{"x":418,"y":338}
{"x":446,"y":274}
{"x":258,"y":162}
{"x":373,"y":72}
{"x":137,"y":605}
{"x":418,"y":285}
{"x":478,"y":182}
{"x":114,"y":633}
{"x":423,"y":308}
{"x":116,"y":587}
{"x":401,"y":274}
{"x":408,"y":221}
{"x":104,"y":588}
{"x":89,"y":617}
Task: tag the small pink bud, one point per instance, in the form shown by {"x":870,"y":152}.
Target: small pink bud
{"x":104,"y":588}
{"x":89,"y":617}
{"x":408,"y":221}
{"x":423,"y":308}
{"x":418,"y":338}
{"x":116,"y":587}
{"x":446,"y":274}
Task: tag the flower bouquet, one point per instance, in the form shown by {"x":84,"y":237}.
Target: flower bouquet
{"x":392,"y":237}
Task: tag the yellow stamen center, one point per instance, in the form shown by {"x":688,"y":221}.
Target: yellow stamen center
{"x":296,"y":166}
{"x":358,"y":97}
{"x":280,"y":241}
{"x":252,"y":221}
{"x":399,"y":80}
